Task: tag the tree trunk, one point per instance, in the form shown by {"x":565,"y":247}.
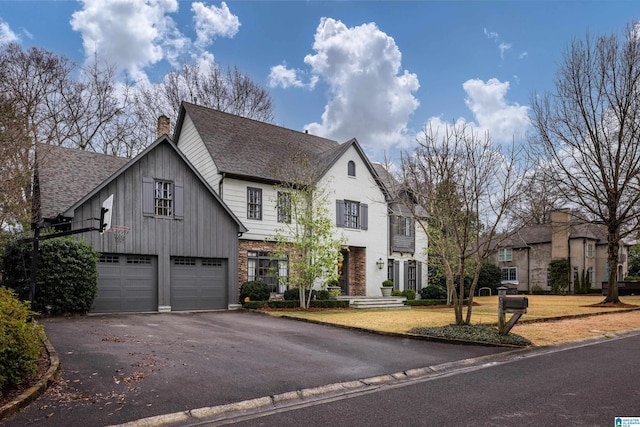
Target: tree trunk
{"x":612,"y":259}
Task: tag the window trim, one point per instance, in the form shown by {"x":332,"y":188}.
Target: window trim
{"x":403,"y":226}
{"x":271,"y":264}
{"x":505,"y":254}
{"x":352,"y":218}
{"x":163,"y":198}
{"x":257,"y":205}
{"x":510,"y":270}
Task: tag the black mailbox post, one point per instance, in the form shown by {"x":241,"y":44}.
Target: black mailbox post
{"x":516,"y":305}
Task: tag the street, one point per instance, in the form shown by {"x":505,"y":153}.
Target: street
{"x":583,"y":386}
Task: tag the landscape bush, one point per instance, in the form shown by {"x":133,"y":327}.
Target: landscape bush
{"x":331,"y":303}
{"x":409,"y":294}
{"x":20,"y":341}
{"x":255,"y":290}
{"x":433,"y":292}
{"x":67,"y":277}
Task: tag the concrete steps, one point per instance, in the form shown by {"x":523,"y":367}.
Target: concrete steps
{"x":376,"y":302}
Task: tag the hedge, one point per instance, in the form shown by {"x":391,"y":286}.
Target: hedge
{"x":67,"y":278}
{"x":253,"y":305}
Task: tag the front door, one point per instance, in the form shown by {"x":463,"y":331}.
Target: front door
{"x":344,"y":273}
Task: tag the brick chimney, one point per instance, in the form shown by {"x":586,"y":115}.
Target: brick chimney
{"x":163,"y":126}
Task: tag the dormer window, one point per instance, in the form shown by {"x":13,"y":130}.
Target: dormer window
{"x":351,"y":168}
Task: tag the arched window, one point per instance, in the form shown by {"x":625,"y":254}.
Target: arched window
{"x":351,"y":168}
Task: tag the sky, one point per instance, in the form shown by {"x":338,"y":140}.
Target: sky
{"x":378,"y":71}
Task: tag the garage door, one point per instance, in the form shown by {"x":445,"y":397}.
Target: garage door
{"x":126,"y":283}
{"x":198,"y":284}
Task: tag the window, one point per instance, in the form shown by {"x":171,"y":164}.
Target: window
{"x":254,"y":203}
{"x":351,"y":168}
{"x":351,"y":214}
{"x":163,"y":198}
{"x":510,"y":274}
{"x":412,"y":276}
{"x":284,"y":207}
{"x":390,"y":272}
{"x":272,"y":271}
{"x":575,"y":275}
{"x":590,"y":277}
{"x":505,"y":254}
{"x":590,"y":250}
{"x":404,"y":226}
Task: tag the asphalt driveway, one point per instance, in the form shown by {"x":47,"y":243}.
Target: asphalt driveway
{"x":120,"y":368}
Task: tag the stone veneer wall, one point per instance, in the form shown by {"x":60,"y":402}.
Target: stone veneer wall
{"x":357,"y":271}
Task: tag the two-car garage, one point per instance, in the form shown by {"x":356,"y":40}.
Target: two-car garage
{"x":129,"y":283}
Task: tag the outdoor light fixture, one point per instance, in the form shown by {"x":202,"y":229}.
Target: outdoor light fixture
{"x":380,"y":264}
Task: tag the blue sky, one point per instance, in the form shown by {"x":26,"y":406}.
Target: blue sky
{"x":374,"y":70}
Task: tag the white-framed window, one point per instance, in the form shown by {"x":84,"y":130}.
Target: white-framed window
{"x":262,"y":267}
{"x":254,"y":203}
{"x":505,"y":254}
{"x":352,"y":214}
{"x":351,"y":168}
{"x":590,"y":278}
{"x":163,"y":198}
{"x":509,"y":274}
{"x":590,"y":250}
{"x":284,"y":207}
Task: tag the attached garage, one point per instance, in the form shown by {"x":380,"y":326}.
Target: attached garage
{"x":126,"y":283}
{"x":198,"y":283}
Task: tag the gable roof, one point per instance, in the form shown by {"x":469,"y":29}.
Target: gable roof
{"x":249,"y":149}
{"x":66,"y":174}
{"x":243,"y":147}
{"x":66,"y":205}
{"x":541,"y":233}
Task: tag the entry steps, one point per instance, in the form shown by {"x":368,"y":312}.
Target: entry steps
{"x":375,"y":302}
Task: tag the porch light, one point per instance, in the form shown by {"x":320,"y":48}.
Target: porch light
{"x":380,"y":264}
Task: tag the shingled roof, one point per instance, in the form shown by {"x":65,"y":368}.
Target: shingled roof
{"x":541,"y":233}
{"x":65,"y":175}
{"x":249,"y":148}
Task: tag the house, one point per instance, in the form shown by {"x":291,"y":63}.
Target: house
{"x":407,"y":242}
{"x":180,"y":252}
{"x":525,"y":255}
{"x":245,"y":160}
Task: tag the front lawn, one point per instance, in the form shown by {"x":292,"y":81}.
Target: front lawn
{"x":486,"y":312}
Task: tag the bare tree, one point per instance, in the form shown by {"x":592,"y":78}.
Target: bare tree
{"x":206,"y":84}
{"x":15,"y":174}
{"x":588,"y":135}
{"x":465,"y":184}
{"x":536,"y":202}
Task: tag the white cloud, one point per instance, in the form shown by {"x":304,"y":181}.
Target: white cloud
{"x":211,"y":22}
{"x":487,"y":101}
{"x":6,"y":34}
{"x":492,"y":112}
{"x":284,"y":77}
{"x":370,"y":97}
{"x":523,"y":55}
{"x":491,"y":34}
{"x":133,"y":35}
{"x":503,"y":47}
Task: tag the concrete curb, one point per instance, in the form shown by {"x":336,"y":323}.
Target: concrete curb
{"x":40,"y":387}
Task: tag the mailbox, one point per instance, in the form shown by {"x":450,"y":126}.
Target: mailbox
{"x":516,"y":303}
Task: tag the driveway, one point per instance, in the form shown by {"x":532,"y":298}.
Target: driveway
{"x":120,"y":368}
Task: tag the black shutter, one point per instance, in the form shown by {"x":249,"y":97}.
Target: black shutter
{"x":364,"y":216}
{"x":339,"y":213}
{"x":406,"y":275}
{"x":147,"y":197}
{"x":396,"y":275}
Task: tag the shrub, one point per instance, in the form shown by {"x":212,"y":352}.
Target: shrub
{"x":433,"y":292}
{"x":253,"y":305}
{"x":396,"y":293}
{"x":559,"y":276}
{"x":387,"y":283}
{"x":67,"y":278}
{"x":409,"y":293}
{"x":490,"y":277}
{"x":322,"y":295}
{"x":20,"y":340}
{"x":256,"y":291}
{"x":293,"y":294}
{"x":428,"y":302}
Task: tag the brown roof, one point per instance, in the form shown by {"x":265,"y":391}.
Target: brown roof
{"x":65,"y":175}
{"x":249,"y":148}
{"x":541,"y":233}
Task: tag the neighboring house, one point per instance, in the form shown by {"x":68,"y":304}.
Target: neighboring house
{"x":407,"y":245}
{"x":245,"y":160}
{"x":525,"y":255}
{"x":181,"y":249}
